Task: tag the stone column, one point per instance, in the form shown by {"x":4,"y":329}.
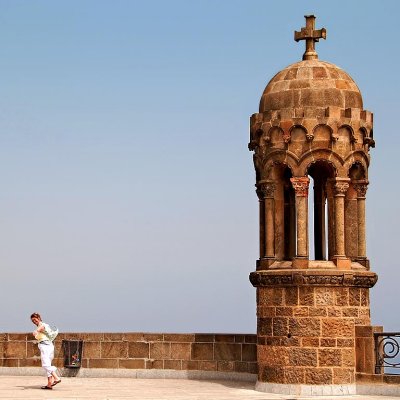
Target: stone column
{"x":300,"y":185}
{"x":340,"y":188}
{"x":361,"y":189}
{"x":267,"y":189}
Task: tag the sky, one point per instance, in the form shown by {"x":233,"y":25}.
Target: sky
{"x":127,"y":198}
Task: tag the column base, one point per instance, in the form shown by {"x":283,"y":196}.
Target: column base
{"x":363,"y":261}
{"x":306,"y":390}
{"x":264,"y":263}
{"x":301,"y":263}
{"x":342,"y":262}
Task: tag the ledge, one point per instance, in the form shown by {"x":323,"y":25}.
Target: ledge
{"x":301,"y":277}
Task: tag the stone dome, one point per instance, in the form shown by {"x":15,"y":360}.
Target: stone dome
{"x":311,"y":83}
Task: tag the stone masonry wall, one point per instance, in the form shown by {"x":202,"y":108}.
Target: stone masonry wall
{"x":202,"y":352}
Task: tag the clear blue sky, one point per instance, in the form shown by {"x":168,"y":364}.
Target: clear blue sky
{"x":127,"y":191}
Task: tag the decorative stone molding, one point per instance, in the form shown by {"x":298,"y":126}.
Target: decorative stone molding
{"x":341,"y":188}
{"x":300,"y":185}
{"x":313,"y":278}
{"x":265,"y":190}
{"x":361,"y":189}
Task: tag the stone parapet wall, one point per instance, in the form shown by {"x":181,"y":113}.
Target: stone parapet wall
{"x":162,"y":351}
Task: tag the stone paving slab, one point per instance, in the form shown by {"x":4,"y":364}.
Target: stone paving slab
{"x":28,"y":387}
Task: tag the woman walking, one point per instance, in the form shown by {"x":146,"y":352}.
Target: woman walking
{"x":46,"y":348}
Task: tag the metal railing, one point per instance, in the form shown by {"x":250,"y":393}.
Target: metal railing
{"x":387,"y":352}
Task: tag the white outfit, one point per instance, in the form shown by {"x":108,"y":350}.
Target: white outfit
{"x":46,"y":355}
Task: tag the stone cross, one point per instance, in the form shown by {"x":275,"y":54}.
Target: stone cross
{"x":310,"y":35}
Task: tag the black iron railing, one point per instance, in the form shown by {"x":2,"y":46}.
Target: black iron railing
{"x":387,"y":352}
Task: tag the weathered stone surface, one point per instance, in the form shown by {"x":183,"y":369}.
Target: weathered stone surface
{"x":303,"y":357}
{"x":318,"y":376}
{"x":227,"y":351}
{"x":180,"y":351}
{"x":337,"y":327}
{"x":114,"y":349}
{"x":306,"y":327}
{"x":202,"y":351}
{"x":139,"y":350}
{"x":329,"y":357}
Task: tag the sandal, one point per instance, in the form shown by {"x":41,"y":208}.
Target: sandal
{"x":56,"y":382}
{"x":46,"y":387}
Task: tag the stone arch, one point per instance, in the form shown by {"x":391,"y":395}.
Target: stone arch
{"x":276,"y":137}
{"x":322,"y":136}
{"x":322,"y":171}
{"x":298,"y":143}
{"x":321,"y":154}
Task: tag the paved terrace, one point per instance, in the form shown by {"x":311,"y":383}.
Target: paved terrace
{"x":28,"y":387}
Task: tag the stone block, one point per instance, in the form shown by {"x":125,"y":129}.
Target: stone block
{"x":337,"y":327}
{"x":303,"y":357}
{"x":226,"y":366}
{"x":364,"y":300}
{"x":30,"y":362}
{"x":154,"y":364}
{"x":10,"y":362}
{"x":342,"y":297}
{"x":3,"y":337}
{"x":264,"y":326}
{"x":284,"y":311}
{"x":179,"y":337}
{"x":240,"y":338}
{"x":32,"y":350}
{"x":180,"y":351}
{"x":132,"y":364}
{"x":204,"y":338}
{"x":317,"y":312}
{"x":208,"y":366}
{"x":306,"y":296}
{"x":227,"y":351}
{"x":327,"y":342}
{"x":252,"y":368}
{"x":224,"y":338}
{"x":138,"y":350}
{"x":369,"y":378}
{"x":350,"y":312}
{"x":173,"y":364}
{"x":391,"y":379}
{"x":153,"y":337}
{"x":334,"y":311}
{"x":271,"y":374}
{"x":250,"y":338}
{"x":306,"y":327}
{"x":19,"y":337}
{"x":291,"y":296}
{"x":300,"y":311}
{"x":133,"y":337}
{"x":241,"y":366}
{"x":15,"y":349}
{"x":249,"y":352}
{"x":114,"y":349}
{"x":295,"y":376}
{"x":102,"y":363}
{"x":202,"y":351}
{"x":92,"y":350}
{"x":160,"y":351}
{"x":112,"y":337}
{"x":190,"y":365}
{"x":345,"y":343}
{"x":280,"y":326}
{"x":318,"y":376}
{"x":310,"y":342}
{"x":348,"y":358}
{"x":324,"y":296}
{"x":355,"y":297}
{"x":343,"y":376}
{"x":329,"y":357}
{"x":364,"y":331}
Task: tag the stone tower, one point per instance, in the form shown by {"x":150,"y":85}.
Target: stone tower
{"x":311,"y":128}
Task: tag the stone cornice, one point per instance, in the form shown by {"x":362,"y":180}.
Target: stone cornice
{"x":313,"y":278}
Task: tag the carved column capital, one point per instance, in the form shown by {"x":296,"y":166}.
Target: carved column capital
{"x":341,"y":187}
{"x":300,"y":185}
{"x":265,"y":190}
{"x":361,"y":188}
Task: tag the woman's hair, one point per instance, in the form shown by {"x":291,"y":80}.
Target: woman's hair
{"x":36,"y":315}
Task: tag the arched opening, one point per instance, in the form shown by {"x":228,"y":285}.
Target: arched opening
{"x":289,"y":216}
{"x":319,"y":209}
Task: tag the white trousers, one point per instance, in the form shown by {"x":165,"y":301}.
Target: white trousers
{"x":47,"y":355}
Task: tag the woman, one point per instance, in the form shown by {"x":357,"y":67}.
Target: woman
{"x":46,"y":348}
